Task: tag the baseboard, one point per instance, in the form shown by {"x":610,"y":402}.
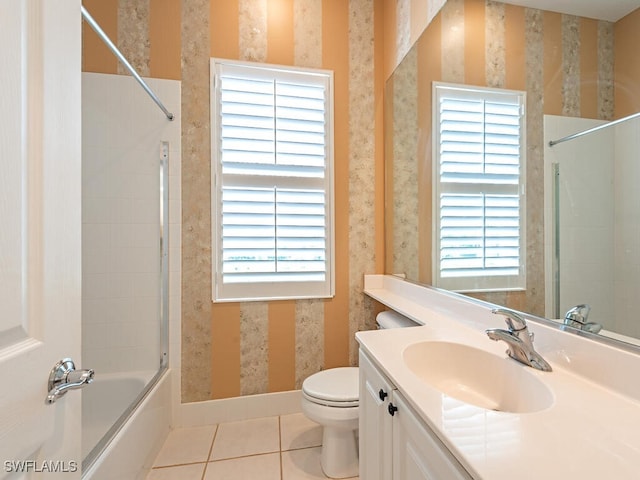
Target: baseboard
{"x":238,"y":408}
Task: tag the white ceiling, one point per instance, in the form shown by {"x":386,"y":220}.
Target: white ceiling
{"x":611,"y":10}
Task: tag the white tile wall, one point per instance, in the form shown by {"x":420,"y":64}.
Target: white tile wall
{"x":600,"y":249}
{"x":122,"y":132}
{"x":586,"y":203}
{"x":627,"y":228}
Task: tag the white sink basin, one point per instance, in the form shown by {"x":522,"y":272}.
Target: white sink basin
{"x":477,"y":377}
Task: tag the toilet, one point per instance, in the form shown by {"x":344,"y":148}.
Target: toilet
{"x":331,"y":398}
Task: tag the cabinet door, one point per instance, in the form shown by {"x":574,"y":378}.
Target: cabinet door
{"x":417,"y":453}
{"x":375,"y":423}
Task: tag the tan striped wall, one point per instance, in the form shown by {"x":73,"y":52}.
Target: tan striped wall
{"x":146,"y":31}
{"x":272,"y":346}
{"x":257,"y":347}
{"x":627,"y":65}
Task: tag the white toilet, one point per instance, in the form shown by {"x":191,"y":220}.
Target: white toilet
{"x":331,"y":398}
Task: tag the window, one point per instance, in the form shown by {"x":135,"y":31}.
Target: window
{"x":272,"y":182}
{"x":479,"y":190}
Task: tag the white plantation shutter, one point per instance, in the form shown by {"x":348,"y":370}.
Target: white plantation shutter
{"x":272,"y":176}
{"x":479,"y":188}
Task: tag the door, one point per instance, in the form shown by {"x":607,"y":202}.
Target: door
{"x":375,"y":428}
{"x":40,"y":229}
{"x":417,"y":453}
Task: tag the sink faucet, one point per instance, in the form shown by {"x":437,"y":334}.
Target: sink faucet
{"x":519,"y":340}
{"x":576,"y":317}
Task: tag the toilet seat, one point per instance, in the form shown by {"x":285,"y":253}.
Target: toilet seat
{"x":336,"y":387}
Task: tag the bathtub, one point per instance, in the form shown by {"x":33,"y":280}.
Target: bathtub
{"x":105,"y":400}
{"x":138,"y":438}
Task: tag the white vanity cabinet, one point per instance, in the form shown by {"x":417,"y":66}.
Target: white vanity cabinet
{"x":394,"y":442}
{"x":375,"y":429}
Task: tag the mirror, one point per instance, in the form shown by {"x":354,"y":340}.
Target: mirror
{"x":571,"y":67}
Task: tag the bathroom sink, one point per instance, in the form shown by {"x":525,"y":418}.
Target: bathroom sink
{"x":477,"y":377}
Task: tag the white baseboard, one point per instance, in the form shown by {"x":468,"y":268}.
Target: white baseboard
{"x":238,"y":408}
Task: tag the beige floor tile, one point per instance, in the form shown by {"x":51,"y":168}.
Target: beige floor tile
{"x":297,"y":431}
{"x":262,"y":467}
{"x":249,"y":437}
{"x":303,"y":464}
{"x":186,"y":445}
{"x":183,"y":472}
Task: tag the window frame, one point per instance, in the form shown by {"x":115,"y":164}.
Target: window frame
{"x":269,"y":290}
{"x":478,"y":283}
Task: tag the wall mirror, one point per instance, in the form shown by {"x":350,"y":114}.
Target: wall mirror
{"x":579,"y":70}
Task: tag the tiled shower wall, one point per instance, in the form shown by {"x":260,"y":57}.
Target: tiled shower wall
{"x":122,"y":131}
{"x":627,"y":228}
{"x":599,"y":260}
{"x":586,"y":209}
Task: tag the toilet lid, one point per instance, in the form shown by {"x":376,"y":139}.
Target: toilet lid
{"x":336,"y":385}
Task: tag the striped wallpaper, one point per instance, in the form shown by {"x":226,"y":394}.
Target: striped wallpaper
{"x":234,"y":349}
{"x":272,"y":346}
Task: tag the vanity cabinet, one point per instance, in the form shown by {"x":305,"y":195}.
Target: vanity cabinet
{"x":394,"y":442}
{"x":375,"y":429}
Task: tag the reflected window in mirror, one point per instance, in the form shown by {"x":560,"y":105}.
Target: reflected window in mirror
{"x":479,"y":188}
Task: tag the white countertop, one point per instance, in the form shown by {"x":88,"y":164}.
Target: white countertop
{"x":591,"y":430}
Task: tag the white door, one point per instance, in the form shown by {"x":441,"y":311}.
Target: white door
{"x":40,"y":228}
{"x":375,"y":422}
{"x":417,"y":453}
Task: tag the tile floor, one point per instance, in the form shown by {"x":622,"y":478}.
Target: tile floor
{"x":271,"y":448}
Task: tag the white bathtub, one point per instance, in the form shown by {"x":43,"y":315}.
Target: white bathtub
{"x":105,"y":400}
{"x":130,"y":454}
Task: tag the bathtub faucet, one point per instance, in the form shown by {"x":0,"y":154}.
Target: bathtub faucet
{"x":65,"y":377}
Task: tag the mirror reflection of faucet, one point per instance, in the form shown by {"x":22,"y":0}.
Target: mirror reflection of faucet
{"x":519,"y":340}
{"x":576,"y":317}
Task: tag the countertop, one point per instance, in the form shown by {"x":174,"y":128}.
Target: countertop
{"x":590,"y":431}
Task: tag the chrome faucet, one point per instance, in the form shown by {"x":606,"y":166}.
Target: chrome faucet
{"x":519,"y":340}
{"x":576,"y":317}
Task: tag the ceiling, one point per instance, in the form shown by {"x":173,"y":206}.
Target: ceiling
{"x":611,"y":10}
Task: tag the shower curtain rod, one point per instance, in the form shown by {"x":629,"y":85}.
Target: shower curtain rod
{"x":594,"y":129}
{"x":123,"y":60}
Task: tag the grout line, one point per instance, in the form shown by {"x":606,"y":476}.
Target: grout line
{"x":215,"y":434}
{"x":160,"y":467}
{"x":280,"y":438}
{"x":244,"y":456}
